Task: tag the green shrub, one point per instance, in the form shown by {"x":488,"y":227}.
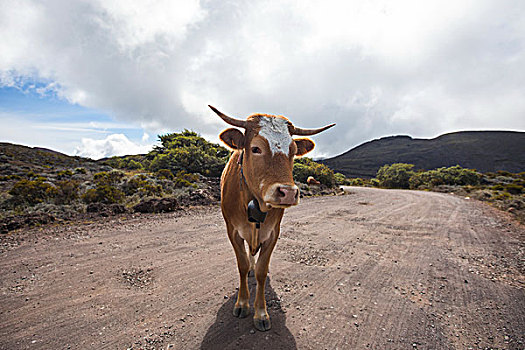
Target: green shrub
{"x":374,"y":182}
{"x":80,"y":171}
{"x":165,"y":174}
{"x":67,"y":191}
{"x":356,"y":182}
{"x":131,"y":162}
{"x":111,"y":177}
{"x":183,"y":179}
{"x":103,"y":194}
{"x":454,"y":176}
{"x":304,"y":167}
{"x":396,"y":175}
{"x":502,"y":196}
{"x":519,"y":182}
{"x":142,"y":185}
{"x":134,"y":165}
{"x":105,"y":190}
{"x":32,"y":192}
{"x":189,"y":152}
{"x":505,"y":173}
{"x":64,"y":174}
{"x":514,"y":189}
{"x":340,"y":179}
{"x":113,"y":162}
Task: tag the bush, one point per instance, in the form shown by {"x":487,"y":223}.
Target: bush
{"x":497,"y":187}
{"x":142,"y":185}
{"x":396,"y":175}
{"x":165,"y":174}
{"x":32,"y":192}
{"x":133,"y":162}
{"x":356,"y":182}
{"x":64,"y":174}
{"x":110,"y":178}
{"x":340,"y":179}
{"x":105,"y":190}
{"x":103,"y":193}
{"x":183,"y":179}
{"x":374,"y":182}
{"x":189,"y":152}
{"x":452,"y":176}
{"x":67,"y":191}
{"x":505,"y":173}
{"x":502,"y":196}
{"x":304,"y":167}
{"x":514,"y":189}
{"x":134,"y":165}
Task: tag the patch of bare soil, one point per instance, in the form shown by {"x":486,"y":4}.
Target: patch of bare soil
{"x":377,"y":269}
{"x":136,"y":277}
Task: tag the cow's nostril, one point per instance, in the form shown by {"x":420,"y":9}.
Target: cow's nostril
{"x":281,"y":192}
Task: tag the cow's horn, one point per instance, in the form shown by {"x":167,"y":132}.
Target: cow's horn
{"x":305,"y":132}
{"x":235,"y":122}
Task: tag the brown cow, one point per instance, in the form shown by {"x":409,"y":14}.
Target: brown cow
{"x":311,"y":181}
{"x":256,"y":186}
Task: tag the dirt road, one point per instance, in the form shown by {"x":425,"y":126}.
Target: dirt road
{"x":372,"y":269}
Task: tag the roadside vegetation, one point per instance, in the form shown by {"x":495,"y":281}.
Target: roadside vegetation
{"x":41,"y":186}
{"x":502,"y":189}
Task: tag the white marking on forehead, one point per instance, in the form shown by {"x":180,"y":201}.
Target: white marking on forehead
{"x":275,"y":130}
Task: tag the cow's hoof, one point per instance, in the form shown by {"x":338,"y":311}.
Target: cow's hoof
{"x":241,"y":312}
{"x":262,"y":324}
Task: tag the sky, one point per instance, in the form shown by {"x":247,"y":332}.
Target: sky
{"x":98,"y":78}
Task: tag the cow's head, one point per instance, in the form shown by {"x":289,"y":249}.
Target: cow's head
{"x":269,"y":150}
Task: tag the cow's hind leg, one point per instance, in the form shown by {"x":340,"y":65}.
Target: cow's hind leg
{"x":242,"y":306}
{"x":261,"y":319}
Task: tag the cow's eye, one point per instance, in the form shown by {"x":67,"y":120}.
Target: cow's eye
{"x":256,"y":150}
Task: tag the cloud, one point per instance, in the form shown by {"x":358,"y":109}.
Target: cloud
{"x":375,"y":68}
{"x":36,"y":131}
{"x":112,"y":145}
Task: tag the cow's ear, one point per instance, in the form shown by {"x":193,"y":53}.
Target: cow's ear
{"x":304,"y":146}
{"x":234,"y":138}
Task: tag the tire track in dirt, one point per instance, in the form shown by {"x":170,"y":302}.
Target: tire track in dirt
{"x":373,"y":269}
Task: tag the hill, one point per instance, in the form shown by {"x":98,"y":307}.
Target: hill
{"x":39,"y":186}
{"x":17,"y":158}
{"x":486,"y":151}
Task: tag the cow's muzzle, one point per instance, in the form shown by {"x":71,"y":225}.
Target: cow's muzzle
{"x":282,"y":196}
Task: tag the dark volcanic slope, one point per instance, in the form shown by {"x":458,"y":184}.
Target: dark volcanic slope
{"x":16,"y":158}
{"x":481,"y":150}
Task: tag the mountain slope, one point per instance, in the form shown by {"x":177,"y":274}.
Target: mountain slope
{"x":482,"y":150}
{"x":19,"y":159}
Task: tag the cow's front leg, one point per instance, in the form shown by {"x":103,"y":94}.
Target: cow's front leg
{"x":252,"y":265}
{"x":261,"y":319}
{"x":242,"y":306}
